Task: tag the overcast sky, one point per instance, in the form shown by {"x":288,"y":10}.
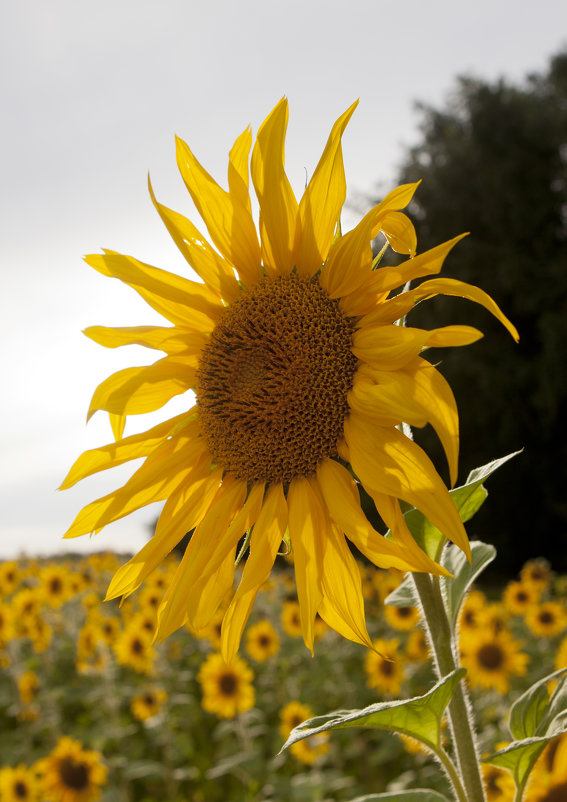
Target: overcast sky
{"x":92,"y":95}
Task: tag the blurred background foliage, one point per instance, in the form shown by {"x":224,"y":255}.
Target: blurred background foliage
{"x":493,"y":162}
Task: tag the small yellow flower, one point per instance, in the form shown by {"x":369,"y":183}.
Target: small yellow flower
{"x":17,"y":784}
{"x":520,"y":597}
{"x":498,"y":784}
{"x":10,"y":576}
{"x":262,"y":641}
{"x":309,"y":750}
{"x":537,"y":573}
{"x":416,"y":647}
{"x":401,"y":618}
{"x":547,"y":620}
{"x":55,"y":586}
{"x":227,"y":688}
{"x":133,"y":648}
{"x":471,"y":608}
{"x":28,"y":686}
{"x":492,"y":659}
{"x":71,"y":773}
{"x":301,"y":378}
{"x":291,"y":619}
{"x":383,"y":666}
{"x":148,"y":704}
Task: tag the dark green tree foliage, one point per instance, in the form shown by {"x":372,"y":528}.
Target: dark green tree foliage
{"x":494,"y":162}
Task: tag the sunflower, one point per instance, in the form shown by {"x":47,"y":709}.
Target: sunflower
{"x":547,"y":620}
{"x":471,"y":612}
{"x":537,"y":573}
{"x":383,"y":666}
{"x":561,"y":655}
{"x":262,"y":641}
{"x":291,"y":619}
{"x":55,"y":585}
{"x":10,"y":576}
{"x":548,"y":779}
{"x":310,"y":749}
{"x":227,"y":688}
{"x":148,"y":704}
{"x":401,"y":618}
{"x":133,"y":648}
{"x":302,"y":379}
{"x":491,"y":659}
{"x":71,"y":773}
{"x":7,"y":626}
{"x":28,"y":686}
{"x":519,"y":597}
{"x":498,"y":784}
{"x":18,"y":784}
{"x":417,"y":648}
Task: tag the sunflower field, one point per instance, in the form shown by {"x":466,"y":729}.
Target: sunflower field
{"x":91,"y":708}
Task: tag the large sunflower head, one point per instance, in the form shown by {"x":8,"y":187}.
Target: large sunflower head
{"x":302,"y":380}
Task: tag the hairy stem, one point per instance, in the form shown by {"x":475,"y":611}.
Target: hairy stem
{"x":459,"y":713}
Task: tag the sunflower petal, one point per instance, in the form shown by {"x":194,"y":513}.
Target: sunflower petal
{"x":308,"y":530}
{"x":133,"y":447}
{"x":278,"y":206}
{"x":449,"y":336}
{"x":267,"y":535}
{"x":350,"y":259}
{"x":228,"y":221}
{"x":183,"y":302}
{"x":322,"y":201}
{"x":400,"y":232}
{"x":342,"y":605}
{"x":396,"y":466}
{"x":343,"y":503}
{"x":194,"y":505}
{"x":207,"y":263}
{"x":388,"y":347}
{"x":171,"y":339}
{"x":133,"y":391}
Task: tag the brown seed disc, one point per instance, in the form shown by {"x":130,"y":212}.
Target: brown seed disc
{"x":273,"y":380}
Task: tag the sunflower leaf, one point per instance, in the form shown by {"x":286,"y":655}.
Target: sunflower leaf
{"x":528,"y":711}
{"x":464,"y":574}
{"x":404,"y":595}
{"x":419,"y":717}
{"x":519,"y":757}
{"x":411,"y":795}
{"x":556,"y":713}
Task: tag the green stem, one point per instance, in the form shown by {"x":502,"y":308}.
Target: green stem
{"x":453,"y":774}
{"x":459,"y":713}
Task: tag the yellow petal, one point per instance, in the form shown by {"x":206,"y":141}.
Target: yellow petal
{"x":267,"y":535}
{"x":397,"y":199}
{"x":194,"y":501}
{"x":229,"y":221}
{"x":350,"y":259}
{"x":278,"y":206}
{"x":166,"y":468}
{"x":343,"y":504}
{"x":394,"y":465}
{"x":117,"y":423}
{"x":322,"y":201}
{"x":307,"y":529}
{"x":449,"y":336}
{"x":133,"y":391}
{"x":133,"y":447}
{"x":400,"y":232}
{"x":184,"y":303}
{"x":417,"y":394}
{"x":388,"y":347}
{"x":427,"y":263}
{"x":206,"y":262}
{"x":172,"y":340}
{"x":342,"y":605}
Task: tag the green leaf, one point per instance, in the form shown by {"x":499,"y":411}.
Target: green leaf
{"x":464,"y":574}
{"x":412,"y":795}
{"x":556,"y":712}
{"x":520,"y":756}
{"x":419,"y":717}
{"x":528,"y":711}
{"x":404,"y":595}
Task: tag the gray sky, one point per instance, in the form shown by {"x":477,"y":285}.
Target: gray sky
{"x":92,"y":95}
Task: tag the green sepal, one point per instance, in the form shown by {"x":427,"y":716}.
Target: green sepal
{"x":419,"y":717}
{"x":464,"y":574}
{"x":528,"y":713}
{"x":411,"y":795}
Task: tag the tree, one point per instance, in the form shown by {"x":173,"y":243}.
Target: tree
{"x":494,"y":162}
